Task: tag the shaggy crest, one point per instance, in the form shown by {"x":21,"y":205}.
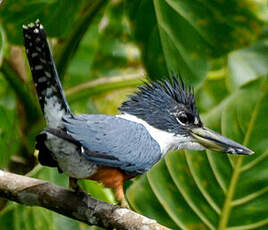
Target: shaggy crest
{"x":168,"y":88}
{"x":158,"y":102}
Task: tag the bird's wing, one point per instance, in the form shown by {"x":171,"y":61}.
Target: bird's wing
{"x":114,"y":142}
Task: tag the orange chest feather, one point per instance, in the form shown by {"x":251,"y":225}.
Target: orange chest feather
{"x":109,"y":177}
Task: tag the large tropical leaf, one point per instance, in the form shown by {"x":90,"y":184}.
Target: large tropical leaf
{"x":2,"y":44}
{"x":9,"y":140}
{"x":179,"y":36}
{"x":210,"y":190}
{"x":57,"y":16}
{"x":249,"y":63}
{"x":106,"y":51}
{"x":9,"y":131}
{"x":212,"y":92}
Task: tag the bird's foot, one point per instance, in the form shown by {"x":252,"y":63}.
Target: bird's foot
{"x":79,"y":191}
{"x":120,"y":196}
{"x":75,"y":187}
{"x":124,"y":203}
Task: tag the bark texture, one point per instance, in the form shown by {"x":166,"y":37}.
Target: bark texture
{"x":83,"y":207}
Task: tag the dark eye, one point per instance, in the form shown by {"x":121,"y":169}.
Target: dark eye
{"x":183,"y":118}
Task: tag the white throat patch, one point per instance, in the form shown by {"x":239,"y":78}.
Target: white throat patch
{"x":167,"y":141}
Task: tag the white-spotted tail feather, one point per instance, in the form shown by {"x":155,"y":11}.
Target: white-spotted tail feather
{"x":50,"y":93}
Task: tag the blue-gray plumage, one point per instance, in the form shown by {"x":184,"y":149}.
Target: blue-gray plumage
{"x":161,"y":116}
{"x":96,"y":133}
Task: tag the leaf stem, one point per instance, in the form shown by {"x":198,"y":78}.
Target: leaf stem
{"x":162,"y":201}
{"x":237,"y":170}
{"x":200,"y":186}
{"x":250,"y":226}
{"x":2,"y":44}
{"x":34,"y":171}
{"x":215,"y":171}
{"x":255,"y":161}
{"x":102,"y":85}
{"x":188,"y":199}
{"x":249,"y":197}
{"x":101,"y":81}
{"x":229,"y":195}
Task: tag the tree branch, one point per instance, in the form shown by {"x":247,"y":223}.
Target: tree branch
{"x":34,"y":192}
{"x":128,"y":80}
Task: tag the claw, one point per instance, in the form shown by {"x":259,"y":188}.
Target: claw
{"x":74,"y":186}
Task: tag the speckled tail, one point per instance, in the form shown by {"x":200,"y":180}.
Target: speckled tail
{"x":50,"y":93}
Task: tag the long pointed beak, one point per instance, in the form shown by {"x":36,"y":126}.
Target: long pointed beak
{"x":214,"y":141}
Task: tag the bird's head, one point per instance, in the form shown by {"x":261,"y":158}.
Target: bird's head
{"x":167,"y":109}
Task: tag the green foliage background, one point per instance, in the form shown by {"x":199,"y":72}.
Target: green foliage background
{"x":103,"y":49}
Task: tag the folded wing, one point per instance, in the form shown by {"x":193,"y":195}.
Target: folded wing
{"x":114,"y":142}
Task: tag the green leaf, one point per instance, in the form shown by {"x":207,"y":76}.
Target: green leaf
{"x":248,"y":63}
{"x":56,"y":15}
{"x":9,"y":124}
{"x":213,"y":190}
{"x":70,"y":46}
{"x":2,"y":45}
{"x":97,"y":190}
{"x":147,"y":203}
{"x":212,"y":93}
{"x":6,"y":218}
{"x":22,"y":91}
{"x":180,"y":36}
{"x":106,"y":49}
{"x":8,"y":135}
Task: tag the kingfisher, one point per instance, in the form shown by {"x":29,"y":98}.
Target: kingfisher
{"x":161,"y":116}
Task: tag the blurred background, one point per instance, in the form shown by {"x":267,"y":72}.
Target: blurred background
{"x":105,"y":49}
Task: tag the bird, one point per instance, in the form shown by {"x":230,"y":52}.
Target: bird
{"x":161,"y":116}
